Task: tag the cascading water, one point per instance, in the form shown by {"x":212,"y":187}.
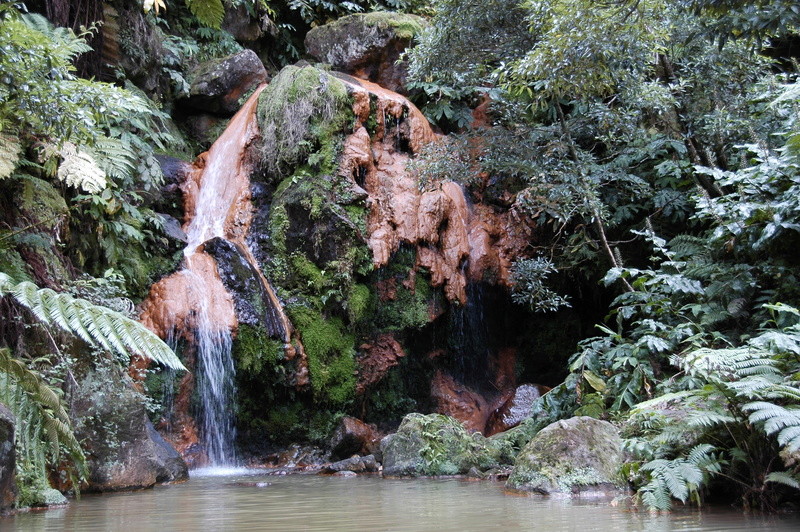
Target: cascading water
{"x":215,"y":376}
{"x":193,"y":303}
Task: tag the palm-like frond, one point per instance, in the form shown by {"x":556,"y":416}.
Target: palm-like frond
{"x":40,"y":411}
{"x":779,"y":420}
{"x":94,"y":324}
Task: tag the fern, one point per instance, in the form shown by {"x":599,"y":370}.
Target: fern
{"x":680,"y":478}
{"x":10,"y":149}
{"x":208,"y":12}
{"x":42,"y":417}
{"x":96,"y":325}
{"x":80,"y":170}
{"x":777,"y":420}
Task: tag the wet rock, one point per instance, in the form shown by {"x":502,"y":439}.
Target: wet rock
{"x":299,"y":458}
{"x":171,"y":467}
{"x":345,"y":474}
{"x":577,"y":456}
{"x":356,"y":464}
{"x":457,"y":401}
{"x":218,"y":85}
{"x":169,"y":197}
{"x":204,"y":128}
{"x":435,"y":445}
{"x":111,"y":421}
{"x":353,"y":436}
{"x":247,"y":287}
{"x":254,"y":484}
{"x":238,"y":23}
{"x":375,"y":360}
{"x":8,"y":461}
{"x":367,"y":45}
{"x":516,"y":409}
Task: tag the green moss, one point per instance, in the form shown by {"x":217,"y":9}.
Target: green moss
{"x":405,"y":26}
{"x":358,"y":302}
{"x":10,"y":261}
{"x":254,"y":351}
{"x":303,"y":114}
{"x":307,"y":272}
{"x":331,"y":355}
{"x":278,"y":225}
{"x":409,"y":310}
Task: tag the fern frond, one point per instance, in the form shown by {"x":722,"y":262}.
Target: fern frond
{"x":785,"y":478}
{"x":114,"y":157}
{"x":80,"y":170}
{"x":94,"y":324}
{"x":10,"y":149}
{"x":776,"y":419}
{"x":208,"y":12}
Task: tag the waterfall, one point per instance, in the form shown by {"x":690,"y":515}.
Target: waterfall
{"x":194,"y":303}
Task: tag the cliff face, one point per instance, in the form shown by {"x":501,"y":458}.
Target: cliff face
{"x":346,"y":285}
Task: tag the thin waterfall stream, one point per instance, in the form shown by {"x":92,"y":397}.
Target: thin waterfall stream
{"x":194,"y":303}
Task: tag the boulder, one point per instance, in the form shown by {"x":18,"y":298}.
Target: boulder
{"x":356,"y":464}
{"x":516,"y":409}
{"x":367,"y":46}
{"x":353,"y":436}
{"x":8,"y":461}
{"x":577,"y":456}
{"x":436,"y":445}
{"x":218,"y":85}
{"x":456,"y":400}
{"x":110,"y":418}
{"x":170,"y":465}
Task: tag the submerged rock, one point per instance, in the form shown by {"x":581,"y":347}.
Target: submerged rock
{"x":356,"y":464}
{"x":8,"y":460}
{"x":218,"y":85}
{"x":577,"y":456}
{"x":368,"y":45}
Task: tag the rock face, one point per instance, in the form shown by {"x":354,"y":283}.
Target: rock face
{"x":367,"y":46}
{"x":456,"y":400}
{"x":577,"y":456}
{"x":353,"y":436}
{"x":434,"y":445}
{"x":8,"y":461}
{"x":376,"y":359}
{"x":455,"y":241}
{"x":217,"y":86}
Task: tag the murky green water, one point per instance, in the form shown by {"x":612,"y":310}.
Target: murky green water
{"x":361,"y":503}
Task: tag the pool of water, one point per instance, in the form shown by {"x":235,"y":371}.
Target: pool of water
{"x":242,"y":501}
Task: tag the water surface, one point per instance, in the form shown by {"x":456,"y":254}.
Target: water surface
{"x":314,"y":503}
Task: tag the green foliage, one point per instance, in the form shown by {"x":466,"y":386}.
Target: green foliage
{"x":301,"y":113}
{"x":96,"y":325}
{"x":528,"y":288}
{"x":44,"y":435}
{"x":740,"y":408}
{"x":331,"y":356}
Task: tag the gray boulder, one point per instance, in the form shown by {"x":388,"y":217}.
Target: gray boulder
{"x":581,"y":455}
{"x":367,"y":46}
{"x":218,"y":85}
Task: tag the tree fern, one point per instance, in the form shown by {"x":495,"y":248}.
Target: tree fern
{"x":79,"y":169}
{"x":680,"y":478}
{"x":94,"y":324}
{"x":777,"y":420}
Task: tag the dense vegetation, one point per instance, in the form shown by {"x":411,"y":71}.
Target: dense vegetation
{"x":655,"y":146}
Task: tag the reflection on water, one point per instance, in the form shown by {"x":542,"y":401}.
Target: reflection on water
{"x":246,"y":502}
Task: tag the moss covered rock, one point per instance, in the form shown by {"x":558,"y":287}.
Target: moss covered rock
{"x":581,"y":455}
{"x":435,"y":445}
{"x":367,"y":45}
{"x":218,"y":85}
